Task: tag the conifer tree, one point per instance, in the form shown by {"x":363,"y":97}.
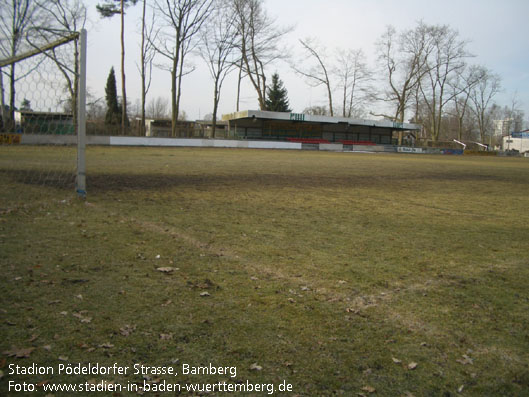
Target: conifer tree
{"x":113,"y":115}
{"x":277,"y":100}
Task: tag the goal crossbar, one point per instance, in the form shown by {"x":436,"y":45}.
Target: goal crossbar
{"x":39,"y":50}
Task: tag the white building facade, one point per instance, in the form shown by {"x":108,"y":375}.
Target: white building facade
{"x":517,"y":141}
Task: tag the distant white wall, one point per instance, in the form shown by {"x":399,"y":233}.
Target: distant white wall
{"x":179,"y":142}
{"x":331,"y":147}
{"x":520,"y":144}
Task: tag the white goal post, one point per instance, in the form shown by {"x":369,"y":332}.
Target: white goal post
{"x":81,"y":120}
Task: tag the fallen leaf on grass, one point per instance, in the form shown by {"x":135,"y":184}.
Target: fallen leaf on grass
{"x":63,"y":358}
{"x":127,"y":330}
{"x":166,"y":336}
{"x":369,"y":389}
{"x":466,"y":360}
{"x":204,"y":294}
{"x":255,"y":367}
{"x":166,"y":269}
{"x":396,"y":360}
{"x":106,"y":345}
{"x":412,"y":365}
{"x":19,"y":353}
{"x":82,"y":318}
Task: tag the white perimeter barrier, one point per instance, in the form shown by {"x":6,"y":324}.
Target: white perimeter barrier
{"x":190,"y":142}
{"x":30,"y":139}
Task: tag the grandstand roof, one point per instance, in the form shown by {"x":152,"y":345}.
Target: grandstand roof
{"x":301,"y":117}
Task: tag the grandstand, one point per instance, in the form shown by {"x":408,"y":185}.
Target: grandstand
{"x":309,"y":129}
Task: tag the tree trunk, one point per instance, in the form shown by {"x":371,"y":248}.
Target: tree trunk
{"x":11,"y":120}
{"x":330,"y":99}
{"x":174,"y":109}
{"x":179,"y":85}
{"x":143,"y":77}
{"x":3,"y":111}
{"x":239,"y":86}
{"x":215,"y":107}
{"x":14,"y":39}
{"x":123,"y":90}
{"x":460,"y":128}
{"x":344,"y":100}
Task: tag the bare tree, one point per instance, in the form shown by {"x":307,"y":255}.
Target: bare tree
{"x":157,"y":108}
{"x":514,"y":113}
{"x":65,"y":17}
{"x":107,"y":10}
{"x":181,"y":21}
{"x":319,"y":73}
{"x":316,"y":110}
{"x":258,"y":43}
{"x":147,"y":57}
{"x":16,"y":18}
{"x":218,"y":50}
{"x":402,"y":58}
{"x":442,"y":64}
{"x":487,"y":87}
{"x":461,"y":88}
{"x":353,"y":76}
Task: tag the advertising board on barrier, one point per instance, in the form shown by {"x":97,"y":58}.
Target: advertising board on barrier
{"x":9,"y":139}
{"x":401,"y":149}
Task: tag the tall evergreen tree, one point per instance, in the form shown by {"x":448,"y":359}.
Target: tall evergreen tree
{"x":277,"y":99}
{"x":113,"y":115}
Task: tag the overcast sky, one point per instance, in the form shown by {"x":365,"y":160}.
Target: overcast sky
{"x":497,"y":32}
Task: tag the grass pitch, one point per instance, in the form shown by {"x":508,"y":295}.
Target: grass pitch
{"x":341,"y":274}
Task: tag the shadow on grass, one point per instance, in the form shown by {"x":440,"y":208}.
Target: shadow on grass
{"x":108,"y":182}
{"x":53,"y":178}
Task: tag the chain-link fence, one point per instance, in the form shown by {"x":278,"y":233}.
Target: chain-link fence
{"x":42,"y":118}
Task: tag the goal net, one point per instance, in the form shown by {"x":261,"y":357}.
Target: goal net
{"x":42,"y":118}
